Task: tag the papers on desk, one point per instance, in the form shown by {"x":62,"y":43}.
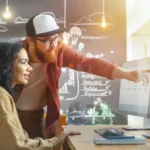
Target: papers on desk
{"x":126,"y":141}
{"x":147,"y":135}
{"x":136,"y":128}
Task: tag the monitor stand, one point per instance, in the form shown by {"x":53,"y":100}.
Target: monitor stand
{"x":146,"y":125}
{"x":146,"y":122}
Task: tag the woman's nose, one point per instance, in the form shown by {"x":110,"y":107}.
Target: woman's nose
{"x":30,"y":68}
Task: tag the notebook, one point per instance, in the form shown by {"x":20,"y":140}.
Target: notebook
{"x":136,"y":128}
{"x":130,"y":141}
{"x":147,"y":135}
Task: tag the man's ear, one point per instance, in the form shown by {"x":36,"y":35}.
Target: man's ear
{"x":31,"y":50}
{"x":29,"y":40}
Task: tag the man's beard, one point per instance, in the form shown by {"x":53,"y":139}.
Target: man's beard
{"x":48,"y":56}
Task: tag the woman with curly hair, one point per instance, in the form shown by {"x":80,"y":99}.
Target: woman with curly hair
{"x":15,"y":70}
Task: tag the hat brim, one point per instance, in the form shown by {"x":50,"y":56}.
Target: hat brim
{"x":60,"y":30}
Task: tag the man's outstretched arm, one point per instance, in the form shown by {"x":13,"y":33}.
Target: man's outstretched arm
{"x":77,"y":61}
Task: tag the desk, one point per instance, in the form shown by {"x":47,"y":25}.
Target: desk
{"x":85,"y":140}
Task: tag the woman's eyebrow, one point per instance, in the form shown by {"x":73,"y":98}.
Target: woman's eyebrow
{"x":26,"y":59}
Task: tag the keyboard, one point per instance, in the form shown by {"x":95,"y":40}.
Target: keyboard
{"x":109,"y":132}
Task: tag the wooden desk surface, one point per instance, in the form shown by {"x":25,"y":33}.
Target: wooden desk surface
{"x":85,"y":140}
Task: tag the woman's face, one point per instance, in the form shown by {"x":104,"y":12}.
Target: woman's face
{"x":21,"y":68}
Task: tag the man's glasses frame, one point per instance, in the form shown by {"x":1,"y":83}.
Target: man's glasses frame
{"x":48,"y":42}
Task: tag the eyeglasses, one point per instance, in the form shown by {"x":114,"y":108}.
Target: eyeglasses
{"x":48,"y":42}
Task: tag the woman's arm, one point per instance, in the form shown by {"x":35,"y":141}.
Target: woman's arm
{"x":12,"y":135}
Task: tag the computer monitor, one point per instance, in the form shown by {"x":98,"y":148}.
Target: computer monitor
{"x":135,"y":97}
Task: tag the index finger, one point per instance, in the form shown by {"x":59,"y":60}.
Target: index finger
{"x":145,"y":71}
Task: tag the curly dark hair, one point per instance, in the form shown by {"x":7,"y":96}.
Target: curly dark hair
{"x":8,"y":53}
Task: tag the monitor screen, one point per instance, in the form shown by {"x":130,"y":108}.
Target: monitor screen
{"x":135,"y":97}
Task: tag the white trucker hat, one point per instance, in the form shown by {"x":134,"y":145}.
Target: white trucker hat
{"x":42,"y":25}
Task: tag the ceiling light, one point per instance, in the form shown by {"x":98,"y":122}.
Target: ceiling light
{"x":7,"y":13}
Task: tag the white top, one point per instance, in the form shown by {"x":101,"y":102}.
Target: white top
{"x":33,"y":96}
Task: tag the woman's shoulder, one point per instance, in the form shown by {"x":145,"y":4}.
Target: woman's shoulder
{"x":6,"y":102}
{"x":3,"y":91}
{"x":4,"y":94}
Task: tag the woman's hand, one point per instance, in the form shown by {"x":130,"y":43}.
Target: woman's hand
{"x":71,"y":133}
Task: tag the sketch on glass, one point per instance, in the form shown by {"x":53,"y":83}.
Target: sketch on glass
{"x":84,"y":84}
{"x":90,"y":20}
{"x":100,"y":113}
{"x":87,"y":37}
{"x":92,"y":86}
{"x":17,"y":39}
{"x":80,"y":47}
{"x":64,"y":89}
{"x":77,"y":85}
{"x":20,"y":20}
{"x":2,"y":21}
{"x":3,"y":29}
{"x":90,"y":55}
{"x":76,"y":113}
{"x":75,"y":33}
{"x":70,"y":83}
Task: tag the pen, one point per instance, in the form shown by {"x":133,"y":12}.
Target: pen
{"x":120,"y":137}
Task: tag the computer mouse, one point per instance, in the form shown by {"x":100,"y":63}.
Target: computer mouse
{"x":112,"y":132}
